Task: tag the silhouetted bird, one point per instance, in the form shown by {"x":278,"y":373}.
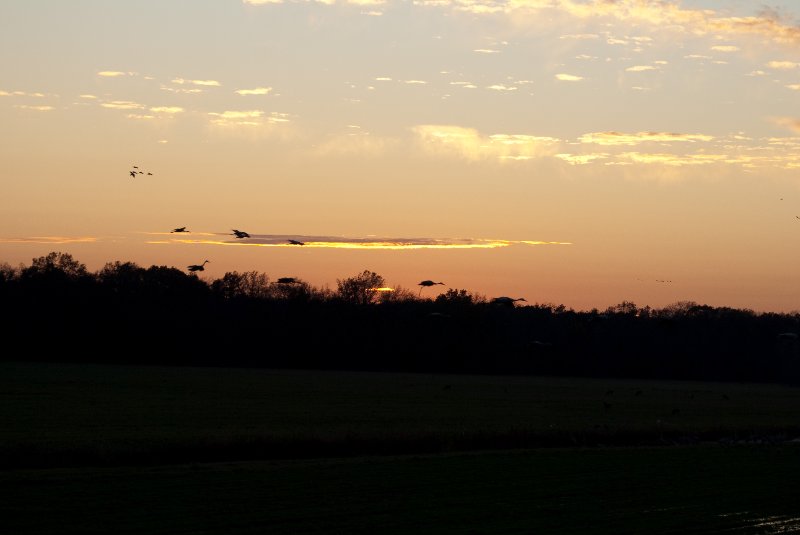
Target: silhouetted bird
{"x":199,"y":267}
{"x":149,"y":173}
{"x":295,"y":242}
{"x":136,"y":167}
{"x":240,"y":234}
{"x":133,"y":174}
{"x":427,"y":283}
{"x":179,"y":229}
{"x":506,"y":301}
{"x":286,"y":280}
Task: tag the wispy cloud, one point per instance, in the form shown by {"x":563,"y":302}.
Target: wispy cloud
{"x":114,"y":74}
{"x":54,"y":240}
{"x":568,"y":77}
{"x":640,"y":68}
{"x":501,"y":87}
{"x":783,"y":65}
{"x":34,"y":108}
{"x":725,"y":48}
{"x":364,"y":243}
{"x":248,"y":118}
{"x":122,"y":105}
{"x":791,"y":123}
{"x":667,"y":14}
{"x":619,"y":138}
{"x":169,"y":110}
{"x":470,"y":144}
{"x":204,"y":83}
{"x":486,"y":51}
{"x":254,"y":91}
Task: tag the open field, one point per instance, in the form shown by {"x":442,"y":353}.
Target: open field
{"x":670,"y":490}
{"x":99,"y":449}
{"x":68,"y":415}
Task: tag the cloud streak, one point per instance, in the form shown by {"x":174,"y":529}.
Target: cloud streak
{"x":361,"y":243}
{"x":51,"y":240}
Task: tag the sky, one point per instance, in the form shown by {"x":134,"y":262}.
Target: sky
{"x":576,"y":152}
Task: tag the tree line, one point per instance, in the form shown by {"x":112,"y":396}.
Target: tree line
{"x":56,"y":310}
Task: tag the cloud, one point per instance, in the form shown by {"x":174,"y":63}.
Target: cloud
{"x":55,"y":240}
{"x":415,"y":82}
{"x":249,"y":118}
{"x":122,"y":105}
{"x":640,"y":68}
{"x":88,"y":97}
{"x":783,"y":65}
{"x":791,"y":123}
{"x":618,"y":138}
{"x":486,"y":51}
{"x":673,"y":160}
{"x":170,"y":110}
{"x":668,"y":14}
{"x":255,"y":91}
{"x":580,"y":36}
{"x":568,"y":77}
{"x":187,"y":90}
{"x":725,"y":48}
{"x":470,"y":144}
{"x":795,"y":87}
{"x":21,"y":94}
{"x":34,"y":108}
{"x":114,"y":74}
{"x":501,"y":87}
{"x":364,"y":243}
{"x":581,"y":159}
{"x":205,"y":83}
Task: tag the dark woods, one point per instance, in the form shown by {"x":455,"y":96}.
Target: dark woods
{"x":56,"y":310}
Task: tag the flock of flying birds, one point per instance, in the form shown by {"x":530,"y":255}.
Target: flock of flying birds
{"x":240,"y":234}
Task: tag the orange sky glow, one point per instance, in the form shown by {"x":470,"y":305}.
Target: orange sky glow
{"x":582,"y":152}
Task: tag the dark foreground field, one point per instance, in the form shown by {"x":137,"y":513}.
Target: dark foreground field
{"x":91,"y":449}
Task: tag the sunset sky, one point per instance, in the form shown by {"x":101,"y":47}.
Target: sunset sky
{"x":582,"y":152}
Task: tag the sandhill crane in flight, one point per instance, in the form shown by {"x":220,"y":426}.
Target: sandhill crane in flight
{"x":179,"y":229}
{"x":295,"y":242}
{"x":507,"y":301}
{"x":133,"y":174}
{"x":426,"y":284}
{"x":240,"y":233}
{"x":198,"y":267}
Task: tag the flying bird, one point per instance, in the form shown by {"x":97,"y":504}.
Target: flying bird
{"x":427,"y":283}
{"x":286,"y":280}
{"x":198,"y":267}
{"x":136,"y":167}
{"x":133,"y":174}
{"x":179,"y":229}
{"x":149,"y":173}
{"x":295,"y":242}
{"x":507,"y":301}
{"x":240,"y":233}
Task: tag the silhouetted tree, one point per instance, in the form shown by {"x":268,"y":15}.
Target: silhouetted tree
{"x":250,"y":284}
{"x":360,"y":289}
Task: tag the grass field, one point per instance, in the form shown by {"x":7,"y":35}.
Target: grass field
{"x":98,"y":449}
{"x":62,"y":414}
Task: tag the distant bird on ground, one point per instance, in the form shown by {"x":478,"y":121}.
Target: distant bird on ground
{"x":426,"y":284}
{"x":133,"y":174}
{"x":179,"y":229}
{"x":295,"y":242}
{"x":198,"y":267}
{"x":286,"y":280}
{"x":240,"y":233}
{"x":506,"y":301}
